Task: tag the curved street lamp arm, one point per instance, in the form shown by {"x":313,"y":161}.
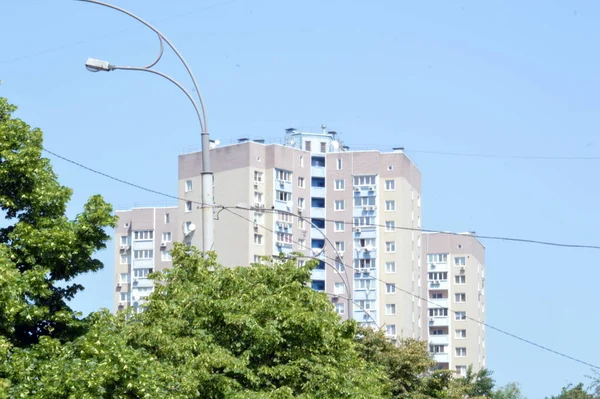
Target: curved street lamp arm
{"x":162,"y":50}
{"x":176,"y":83}
{"x":205,"y":126}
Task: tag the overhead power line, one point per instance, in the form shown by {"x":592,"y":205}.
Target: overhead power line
{"x":506,"y":156}
{"x":500,"y":238}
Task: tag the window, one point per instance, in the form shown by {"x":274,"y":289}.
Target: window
{"x":362,"y":264}
{"x":318,"y":285}
{"x":301,"y":162}
{"x":318,"y":223}
{"x":390,"y":205}
{"x":339,"y":266}
{"x":364,"y":201}
{"x":124,"y":259}
{"x":390,"y":309}
{"x":167,"y":237}
{"x":124,"y":277}
{"x":284,"y":237}
{"x":390,"y":185}
{"x":390,"y":288}
{"x":437,"y":331}
{"x":364,"y":180}
{"x":390,"y":330}
{"x":437,"y":258}
{"x":301,"y":182}
{"x":188,"y":206}
{"x":340,"y":308}
{"x":284,"y":196}
{"x":257,"y":259}
{"x":364,"y":221}
{"x":283,"y":175}
{"x":307,"y":145}
{"x":340,"y":205}
{"x":124,"y":297}
{"x":143,"y":254}
{"x":438,"y":312}
{"x":436,"y":295}
{"x":301,"y":224}
{"x":258,"y":239}
{"x":340,"y":246}
{"x":301,"y":243}
{"x":339,"y":164}
{"x":340,"y":185}
{"x":124,"y":240}
{"x":390,"y":225}
{"x":259,"y":218}
{"x":460,"y":279}
{"x":167,"y":218}
{"x":437,"y":348}
{"x":258,"y":176}
{"x":165,"y":256}
{"x":459,"y":316}
{"x":461,"y":352}
{"x":318,"y":162}
{"x":339,"y":226}
{"x":460,"y":261}
{"x":339,"y":288}
{"x":460,"y":334}
{"x":390,"y":267}
{"x":363,"y":243}
{"x":390,"y":246}
{"x":460,"y":297}
{"x":442,"y":276}
{"x":318,"y":202}
{"x":187,"y":227}
{"x":461,"y":370}
{"x":318,"y":182}
{"x":143,"y":235}
{"x":323,"y":147}
{"x":301,"y":203}
{"x":141,"y":273}
{"x":188,"y":186}
{"x":364,"y":305}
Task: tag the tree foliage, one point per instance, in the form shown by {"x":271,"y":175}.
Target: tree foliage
{"x":41,"y":250}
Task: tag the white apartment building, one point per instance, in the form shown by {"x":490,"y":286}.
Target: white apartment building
{"x":456,"y":295}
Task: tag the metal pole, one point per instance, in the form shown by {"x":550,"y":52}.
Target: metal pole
{"x":208,"y":230}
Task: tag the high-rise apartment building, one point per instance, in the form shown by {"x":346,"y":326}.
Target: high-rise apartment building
{"x":357,"y":212}
{"x":143,"y":241}
{"x":456,"y":294}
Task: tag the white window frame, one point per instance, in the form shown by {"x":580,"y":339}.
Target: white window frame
{"x":390,"y":226}
{"x":390,"y":309}
{"x":258,"y":176}
{"x":301,"y":224}
{"x":460,"y":333}
{"x":167,"y":236}
{"x":301,"y":161}
{"x":339,"y":226}
{"x":340,"y":246}
{"x":390,"y":185}
{"x":258,"y":239}
{"x":301,"y":182}
{"x":123,"y":259}
{"x":301,"y":244}
{"x":124,"y":240}
{"x":339,"y":185}
{"x":390,"y":288}
{"x":189,"y":186}
{"x":143,"y":254}
{"x":460,"y":297}
{"x":390,"y":247}
{"x":124,"y":297}
{"x":460,"y":351}
{"x":390,"y":330}
{"x":390,"y":205}
{"x":339,"y":164}
{"x":301,"y":203}
{"x":165,"y":256}
{"x":143,"y":235}
{"x":460,"y":261}
{"x":339,"y":266}
{"x":339,"y":205}
{"x":460,"y":279}
{"x":390,"y":267}
{"x":460,"y":316}
{"x":167,"y":218}
{"x":188,"y":206}
{"x":339,"y":288}
{"x":340,"y":308}
{"x":285,"y":175}
{"x":124,"y":278}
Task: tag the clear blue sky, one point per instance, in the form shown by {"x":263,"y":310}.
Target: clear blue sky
{"x":500,"y":77}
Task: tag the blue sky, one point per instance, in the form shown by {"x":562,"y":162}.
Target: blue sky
{"x":495,"y":77}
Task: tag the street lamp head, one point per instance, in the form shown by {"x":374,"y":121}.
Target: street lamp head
{"x":94,"y":65}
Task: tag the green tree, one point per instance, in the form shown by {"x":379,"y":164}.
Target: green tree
{"x":210,"y":332}
{"x":574,"y":392}
{"x":509,"y":391}
{"x":41,"y":250}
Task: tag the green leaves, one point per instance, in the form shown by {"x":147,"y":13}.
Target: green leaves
{"x":41,"y":250}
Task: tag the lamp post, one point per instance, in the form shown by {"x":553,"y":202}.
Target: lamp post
{"x":94,"y":65}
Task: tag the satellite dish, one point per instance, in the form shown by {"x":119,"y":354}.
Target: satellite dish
{"x":369,"y":248}
{"x":192,"y":227}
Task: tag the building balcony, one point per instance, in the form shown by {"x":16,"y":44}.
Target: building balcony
{"x":317,"y":192}
{"x":439,"y":339}
{"x":317,"y":212}
{"x":439,"y":321}
{"x":438,"y":285}
{"x":440,"y":357}
{"x":437,"y":267}
{"x":316,"y":234}
{"x":437,"y":303}
{"x":318,"y":274}
{"x":317,"y":171}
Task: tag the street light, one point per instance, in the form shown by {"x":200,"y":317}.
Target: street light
{"x":94,"y":65}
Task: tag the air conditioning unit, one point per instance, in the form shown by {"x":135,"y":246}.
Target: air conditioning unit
{"x":255,"y":184}
{"x":462,"y":270}
{"x":121,"y":304}
{"x":127,"y":225}
{"x":163,"y":244}
{"x":255,"y":226}
{"x":357,"y":230}
{"x":335,"y":296}
{"x":357,"y":189}
{"x":124,"y":247}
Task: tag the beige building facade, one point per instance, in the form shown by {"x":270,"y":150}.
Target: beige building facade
{"x":456,"y":300}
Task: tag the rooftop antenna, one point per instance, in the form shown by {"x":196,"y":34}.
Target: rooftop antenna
{"x":324,"y":128}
